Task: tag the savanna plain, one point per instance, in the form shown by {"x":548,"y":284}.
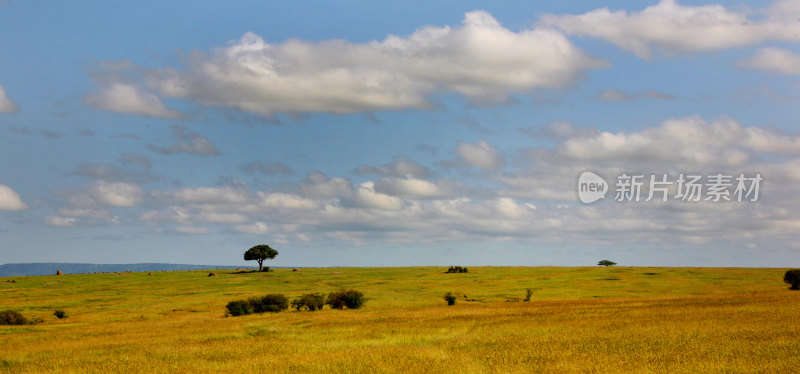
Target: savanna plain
{"x":578,"y":319}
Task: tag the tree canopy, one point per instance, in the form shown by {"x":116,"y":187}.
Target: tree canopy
{"x":606,"y":263}
{"x":260,"y":253}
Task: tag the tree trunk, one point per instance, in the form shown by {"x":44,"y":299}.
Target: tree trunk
{"x":260,"y":265}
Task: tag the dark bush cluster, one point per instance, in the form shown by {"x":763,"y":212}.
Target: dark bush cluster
{"x":310,"y":302}
{"x":528,"y":294}
{"x":239,"y":308}
{"x":457,"y":269}
{"x":792,"y":277}
{"x":265,"y":269}
{"x":272,"y":303}
{"x":12,"y":317}
{"x":350,"y":299}
{"x":60,"y":314}
{"x":450,"y":298}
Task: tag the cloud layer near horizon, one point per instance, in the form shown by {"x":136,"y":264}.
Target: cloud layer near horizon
{"x":534,"y":197}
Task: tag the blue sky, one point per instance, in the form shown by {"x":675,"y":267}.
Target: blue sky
{"x":415,"y":133}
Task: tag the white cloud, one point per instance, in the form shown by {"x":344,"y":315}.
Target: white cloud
{"x":410,"y":187}
{"x":60,"y":221}
{"x":690,"y":142}
{"x":675,"y":28}
{"x":6,"y":105}
{"x":480,"y":155}
{"x":191,"y":230}
{"x":255,"y":228}
{"x":129,"y":99}
{"x":191,"y":143}
{"x":366,"y":197}
{"x":774,"y":60}
{"x":480,"y":59}
{"x":320,"y":186}
{"x":287,"y":201}
{"x":117,"y":194}
{"x":207,"y":195}
{"x":10,"y":200}
{"x":400,"y":167}
{"x":85,"y":213}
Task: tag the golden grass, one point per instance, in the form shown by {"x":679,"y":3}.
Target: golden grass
{"x":665,"y":320}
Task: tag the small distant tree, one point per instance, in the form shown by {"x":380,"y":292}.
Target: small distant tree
{"x":528,"y":294}
{"x":260,"y":253}
{"x":606,"y":263}
{"x":792,"y":277}
{"x":450,"y":298}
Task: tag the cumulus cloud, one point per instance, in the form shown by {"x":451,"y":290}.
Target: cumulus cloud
{"x":480,"y":155}
{"x":57,"y":221}
{"x":255,"y":228}
{"x":207,"y":195}
{"x":774,"y":60}
{"x":117,"y":194}
{"x":191,"y":230}
{"x":401,"y":167}
{"x":480,"y":60}
{"x":130,"y":99}
{"x":365,"y":196}
{"x":189,"y":142}
{"x":674,"y":28}
{"x":6,"y":105}
{"x":409,"y":187}
{"x":10,"y":200}
{"x":689,"y":141}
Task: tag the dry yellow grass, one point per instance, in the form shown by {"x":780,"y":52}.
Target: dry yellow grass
{"x":665,"y":320}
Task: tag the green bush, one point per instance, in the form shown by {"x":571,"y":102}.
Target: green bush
{"x":239,"y":308}
{"x":528,"y":294}
{"x":60,"y":314}
{"x":457,"y":269}
{"x":351,"y":299}
{"x":12,"y":317}
{"x":272,"y":303}
{"x":310,"y":301}
{"x":265,"y":269}
{"x":450,"y":298}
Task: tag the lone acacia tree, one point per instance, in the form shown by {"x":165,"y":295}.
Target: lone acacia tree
{"x":792,"y":277}
{"x":260,"y":253}
{"x":606,"y":263}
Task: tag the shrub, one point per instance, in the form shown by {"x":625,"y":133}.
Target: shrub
{"x":60,"y":314}
{"x":265,"y":269}
{"x":528,"y":294}
{"x":351,"y":299}
{"x":792,"y":277}
{"x":310,"y":301}
{"x":450,"y":298}
{"x":272,"y":303}
{"x":457,"y":269}
{"x":239,"y":308}
{"x":12,"y":317}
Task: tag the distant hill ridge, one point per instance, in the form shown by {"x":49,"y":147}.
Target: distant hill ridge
{"x":43,"y":268}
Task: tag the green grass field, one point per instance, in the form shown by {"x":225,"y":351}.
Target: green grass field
{"x":586,"y":319}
